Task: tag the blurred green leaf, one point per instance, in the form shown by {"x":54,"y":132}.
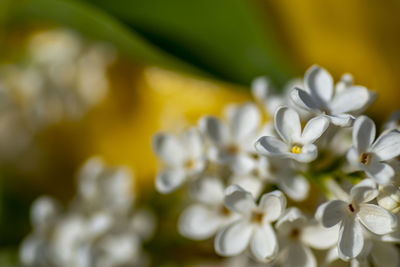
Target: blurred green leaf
{"x":91,"y":22}
{"x":225,"y":37}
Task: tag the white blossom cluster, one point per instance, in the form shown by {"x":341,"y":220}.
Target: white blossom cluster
{"x":314,"y":186}
{"x":100,"y":228}
{"x":59,"y":76}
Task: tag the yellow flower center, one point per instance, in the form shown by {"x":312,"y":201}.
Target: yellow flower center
{"x":296,"y":149}
{"x":365,"y":158}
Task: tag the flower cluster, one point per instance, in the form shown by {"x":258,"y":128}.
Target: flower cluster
{"x":99,"y":228}
{"x":60,"y":76}
{"x":314,"y":186}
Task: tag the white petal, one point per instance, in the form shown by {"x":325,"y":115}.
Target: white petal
{"x":264,"y":245}
{"x":363,"y":133}
{"x":353,"y":157}
{"x":364,"y":191}
{"x":351,"y":239}
{"x":377,"y":219}
{"x":169,"y":180}
{"x":287,"y":124}
{"x":292,"y":218}
{"x":385,"y":255}
{"x":387,"y":146}
{"x":316,"y":236}
{"x":260,"y":88}
{"x":382,"y":173}
{"x":271,"y":146}
{"x":319,"y":83}
{"x":273,"y":204}
{"x":299,"y":255}
{"x":209,"y":190}
{"x":314,"y":129}
{"x":239,"y":200}
{"x":351,"y":99}
{"x":296,"y":187}
{"x":214,"y":129}
{"x":332,"y":212}
{"x":308,"y":153}
{"x":245,"y":122}
{"x":168,"y":148}
{"x":199,"y":222}
{"x":243,"y":164}
{"x":341,"y":120}
{"x":303,"y":100}
{"x":252,"y":184}
{"x":44,"y":212}
{"x":193,"y":142}
{"x":233,"y":239}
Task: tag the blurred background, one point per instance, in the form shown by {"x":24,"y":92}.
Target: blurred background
{"x":99,"y":77}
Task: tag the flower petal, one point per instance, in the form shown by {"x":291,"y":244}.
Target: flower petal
{"x":308,"y":153}
{"x":351,"y":239}
{"x":332,"y":212}
{"x":245,"y":121}
{"x":272,"y":146}
{"x":296,"y":187}
{"x":377,"y":219}
{"x":208,"y":190}
{"x":243,"y":164}
{"x":382,"y":173}
{"x":239,"y":200}
{"x":168,"y":148}
{"x":193,"y":142}
{"x":319,"y":83}
{"x":316,"y":236}
{"x":303,"y":100}
{"x":299,"y":255}
{"x":353,"y":157}
{"x":364,"y":191}
{"x":287,"y":124}
{"x":387,"y":146}
{"x":169,"y":180}
{"x":199,"y":222}
{"x":264,"y":244}
{"x":233,"y":239}
{"x":252,"y":184}
{"x":314,"y":129}
{"x":341,"y":120}
{"x":214,"y":129}
{"x":363,"y":133}
{"x":351,"y":99}
{"x":260,"y":88}
{"x":273,"y":205}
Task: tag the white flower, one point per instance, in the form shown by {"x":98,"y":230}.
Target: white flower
{"x":319,"y":97}
{"x":203,"y":219}
{"x":263,"y":93}
{"x":354,"y":216}
{"x":297,"y":235}
{"x":253,"y":229}
{"x":282,"y":172}
{"x":183,"y":158}
{"x":370,"y":156}
{"x":102,"y":187}
{"x":389,"y":197}
{"x":232,"y":143}
{"x":393,"y":122}
{"x":295,"y":144}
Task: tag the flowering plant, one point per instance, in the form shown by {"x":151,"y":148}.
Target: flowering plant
{"x":312,"y":187}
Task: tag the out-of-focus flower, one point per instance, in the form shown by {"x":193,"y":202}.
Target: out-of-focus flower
{"x":232,"y":143}
{"x":100,"y":228}
{"x":183,"y":158}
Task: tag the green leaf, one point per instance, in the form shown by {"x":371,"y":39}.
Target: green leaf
{"x":225,"y":37}
{"x":91,"y":22}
